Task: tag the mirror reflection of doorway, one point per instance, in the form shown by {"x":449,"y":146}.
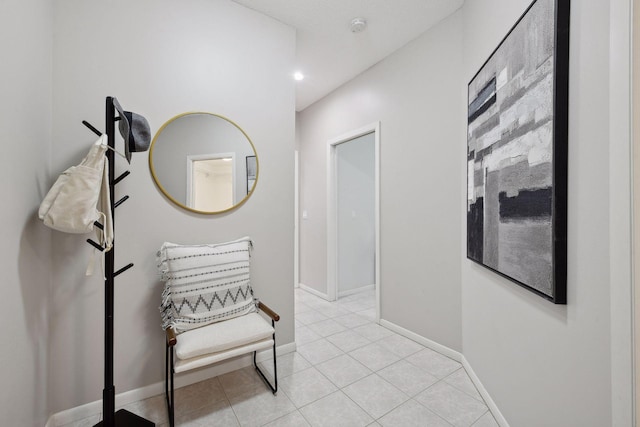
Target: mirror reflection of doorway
{"x":210,"y":182}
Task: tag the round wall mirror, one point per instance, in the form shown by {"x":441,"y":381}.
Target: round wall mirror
{"x":203,"y":162}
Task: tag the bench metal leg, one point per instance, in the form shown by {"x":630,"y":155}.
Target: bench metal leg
{"x":274,"y":388}
{"x":168,"y":385}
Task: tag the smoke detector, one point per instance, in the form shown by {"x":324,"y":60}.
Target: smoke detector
{"x":358,"y":25}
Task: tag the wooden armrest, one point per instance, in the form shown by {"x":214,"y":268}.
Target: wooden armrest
{"x":171,"y":337}
{"x":268,"y":311}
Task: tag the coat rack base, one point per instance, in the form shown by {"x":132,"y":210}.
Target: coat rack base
{"x":124,"y":418}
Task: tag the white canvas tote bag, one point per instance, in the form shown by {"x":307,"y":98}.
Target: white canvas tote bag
{"x":71,"y":205}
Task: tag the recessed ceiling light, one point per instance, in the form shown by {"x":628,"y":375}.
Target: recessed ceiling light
{"x":298,"y":76}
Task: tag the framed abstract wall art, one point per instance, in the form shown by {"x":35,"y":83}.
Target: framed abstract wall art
{"x":252,"y":170}
{"x":517,"y":150}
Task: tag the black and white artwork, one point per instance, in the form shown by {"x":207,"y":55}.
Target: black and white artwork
{"x":517,"y":153}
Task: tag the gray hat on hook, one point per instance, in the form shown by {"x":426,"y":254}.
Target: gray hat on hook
{"x":135,"y":131}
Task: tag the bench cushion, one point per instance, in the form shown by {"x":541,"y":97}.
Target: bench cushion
{"x":206,"y":360}
{"x":221,"y":336}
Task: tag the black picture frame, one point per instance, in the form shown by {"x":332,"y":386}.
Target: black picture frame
{"x":252,"y":172}
{"x":517,"y":153}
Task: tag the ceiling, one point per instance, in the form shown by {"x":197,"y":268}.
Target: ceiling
{"x":329,"y":54}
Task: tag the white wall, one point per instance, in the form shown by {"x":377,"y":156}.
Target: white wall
{"x":415,"y":94}
{"x":25,"y":247}
{"x":161,"y":58}
{"x":620,"y":209}
{"x":545,"y":364}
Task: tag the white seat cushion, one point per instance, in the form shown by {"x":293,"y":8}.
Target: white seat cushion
{"x":200,"y":361}
{"x":222,"y":336}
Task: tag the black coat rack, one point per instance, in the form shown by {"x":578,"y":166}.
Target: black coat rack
{"x":111,"y":418}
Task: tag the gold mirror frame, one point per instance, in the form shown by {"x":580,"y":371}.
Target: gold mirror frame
{"x":172,"y":198}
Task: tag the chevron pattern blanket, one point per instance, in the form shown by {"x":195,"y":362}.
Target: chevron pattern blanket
{"x":204,"y":283}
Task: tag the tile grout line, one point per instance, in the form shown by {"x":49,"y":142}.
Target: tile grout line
{"x":459,"y":389}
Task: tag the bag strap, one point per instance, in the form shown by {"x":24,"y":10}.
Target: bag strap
{"x":105,"y":236}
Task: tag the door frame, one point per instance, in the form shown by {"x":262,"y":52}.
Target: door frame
{"x":296,"y":220}
{"x":634,"y":86}
{"x":622,"y":218}
{"x":332,"y":205}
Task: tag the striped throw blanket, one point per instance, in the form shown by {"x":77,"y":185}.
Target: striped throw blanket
{"x":204,"y":283}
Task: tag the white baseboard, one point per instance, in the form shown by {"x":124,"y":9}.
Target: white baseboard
{"x":182,"y":380}
{"x":314,"y":292}
{"x":450,"y":353}
{"x":502,"y":422}
{"x":457,"y":356}
{"x":356,"y":290}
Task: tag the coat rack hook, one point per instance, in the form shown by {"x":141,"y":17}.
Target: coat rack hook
{"x":121,"y":177}
{"x":95,"y":245}
{"x":121,"y":201}
{"x":123,"y":269}
{"x":93,"y":129}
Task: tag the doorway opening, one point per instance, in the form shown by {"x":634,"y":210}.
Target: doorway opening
{"x":353,"y":214}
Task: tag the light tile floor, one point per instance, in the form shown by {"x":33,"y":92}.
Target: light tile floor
{"x":347,"y":371}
